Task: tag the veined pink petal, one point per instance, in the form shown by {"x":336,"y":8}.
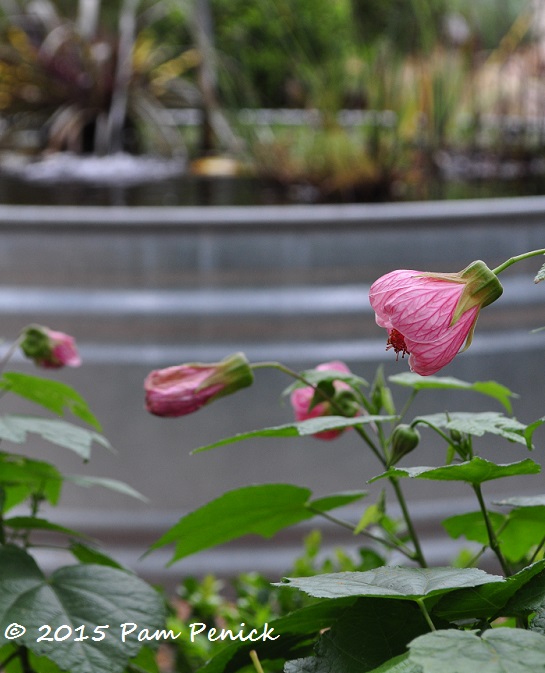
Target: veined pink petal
{"x":419,"y":307}
{"x":417,"y":310}
{"x":428,"y":358}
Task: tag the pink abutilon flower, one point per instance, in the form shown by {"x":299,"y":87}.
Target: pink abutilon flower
{"x":49,"y":348}
{"x":183,"y":389}
{"x":301,"y":400}
{"x":430,"y":316}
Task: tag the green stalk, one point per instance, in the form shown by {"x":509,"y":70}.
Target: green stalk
{"x":425,"y":612}
{"x":255,"y":661}
{"x":517,"y":258}
{"x":394,"y":546}
{"x":418,"y":553}
{"x":492,"y":539}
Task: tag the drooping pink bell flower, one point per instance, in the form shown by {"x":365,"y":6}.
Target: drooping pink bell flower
{"x":430,"y":316}
{"x":301,"y":400}
{"x":183,"y":389}
{"x":48,"y":348}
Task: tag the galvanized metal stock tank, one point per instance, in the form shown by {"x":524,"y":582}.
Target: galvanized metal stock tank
{"x":143,"y":288}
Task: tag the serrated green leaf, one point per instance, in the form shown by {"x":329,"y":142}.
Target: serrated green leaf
{"x":260,"y":510}
{"x":80,"y":440}
{"x":487,"y":601}
{"x":52,"y":395}
{"x":366,"y":636}
{"x":311,"y":426}
{"x":517,"y":532}
{"x":500,"y":650}
{"x":489,"y":388}
{"x":391,"y":582}
{"x":531,"y":596}
{"x":87,"y":595}
{"x":480,"y":423}
{"x":472,"y":526}
{"x":475,"y":471}
{"x":87,"y":481}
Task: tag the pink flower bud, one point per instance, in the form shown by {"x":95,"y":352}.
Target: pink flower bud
{"x":48,"y":348}
{"x":430,"y":316}
{"x":301,"y":400}
{"x":183,"y":389}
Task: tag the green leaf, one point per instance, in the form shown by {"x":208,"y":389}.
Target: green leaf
{"x":35,"y":523}
{"x":22,"y":477}
{"x":474,"y":471}
{"x":80,"y":595}
{"x":367,"y":635}
{"x":489,"y":388}
{"x":500,"y":650}
{"x":472,"y":526}
{"x":517,"y":532}
{"x":111,"y":484}
{"x":480,"y":423}
{"x":297,"y":632}
{"x":400,"y":664}
{"x":487,"y":601}
{"x":299,"y":429}
{"x":53,"y":395}
{"x":391,"y":582}
{"x":70,"y":436}
{"x":329,"y":502}
{"x":85,"y":554}
{"x":260,"y":510}
{"x":531,"y":596}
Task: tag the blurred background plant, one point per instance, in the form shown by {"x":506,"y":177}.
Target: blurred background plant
{"x":87,"y":82}
{"x":352,"y":100}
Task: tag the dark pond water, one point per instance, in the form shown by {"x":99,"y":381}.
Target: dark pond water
{"x":196,"y":190}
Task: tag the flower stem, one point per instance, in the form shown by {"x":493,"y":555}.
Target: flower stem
{"x":492,"y":538}
{"x":517,"y":258}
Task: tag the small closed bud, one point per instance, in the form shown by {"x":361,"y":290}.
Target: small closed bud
{"x":404,"y":439}
{"x":183,"y":389}
{"x":48,"y":348}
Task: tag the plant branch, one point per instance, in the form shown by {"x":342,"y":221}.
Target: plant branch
{"x":395,"y":546}
{"x":492,"y":538}
{"x":418,"y":553}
